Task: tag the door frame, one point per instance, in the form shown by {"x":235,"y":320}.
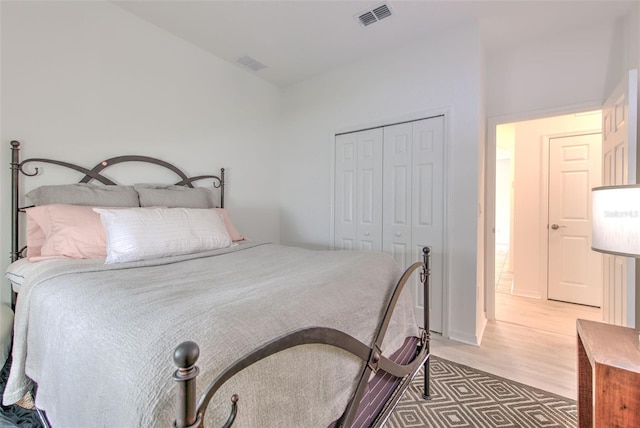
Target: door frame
{"x":490,"y":189}
{"x":544,"y":208}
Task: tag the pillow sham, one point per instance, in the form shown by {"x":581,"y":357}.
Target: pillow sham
{"x":72,"y":231}
{"x":233,"y":232}
{"x":35,"y":232}
{"x":85,"y":194}
{"x":152,"y":195}
{"x":141,"y":234}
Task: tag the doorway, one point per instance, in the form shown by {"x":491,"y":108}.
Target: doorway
{"x":522,"y":236}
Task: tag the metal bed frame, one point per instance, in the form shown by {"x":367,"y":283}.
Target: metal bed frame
{"x":190,"y":414}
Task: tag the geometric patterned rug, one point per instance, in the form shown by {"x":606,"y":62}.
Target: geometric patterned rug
{"x":465,"y":397}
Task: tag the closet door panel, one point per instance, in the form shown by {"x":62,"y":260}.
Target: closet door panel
{"x":396,"y":212}
{"x":369,"y":190}
{"x":424,"y":182}
{"x":428,"y":209}
{"x":345,"y":201}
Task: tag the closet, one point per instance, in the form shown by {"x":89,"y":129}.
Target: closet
{"x":389,"y":196}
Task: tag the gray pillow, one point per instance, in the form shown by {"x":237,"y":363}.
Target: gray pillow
{"x":85,"y":194}
{"x":154,"y":195}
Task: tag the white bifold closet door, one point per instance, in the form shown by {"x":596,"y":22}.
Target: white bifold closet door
{"x":358,"y":197}
{"x":413,"y":203}
{"x":390,"y":197}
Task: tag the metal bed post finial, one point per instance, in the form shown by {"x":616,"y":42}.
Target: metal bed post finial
{"x":221,"y":187}
{"x":188,"y":415}
{"x":185,"y":357}
{"x":425,"y":277}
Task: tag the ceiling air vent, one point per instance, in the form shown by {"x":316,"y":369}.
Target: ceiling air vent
{"x":253,"y":64}
{"x":373,"y":15}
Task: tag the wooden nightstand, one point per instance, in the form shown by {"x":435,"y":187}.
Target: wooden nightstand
{"x":608,"y":375}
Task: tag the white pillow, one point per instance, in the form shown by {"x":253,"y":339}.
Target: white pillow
{"x":149,"y":233}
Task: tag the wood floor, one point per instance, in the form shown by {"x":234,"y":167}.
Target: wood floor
{"x":532,"y":342}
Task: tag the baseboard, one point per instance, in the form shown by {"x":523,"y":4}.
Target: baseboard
{"x":469,"y":339}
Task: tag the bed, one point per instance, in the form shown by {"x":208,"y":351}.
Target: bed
{"x":265,"y":335}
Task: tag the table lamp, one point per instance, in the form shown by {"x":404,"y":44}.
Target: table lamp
{"x":616,"y":220}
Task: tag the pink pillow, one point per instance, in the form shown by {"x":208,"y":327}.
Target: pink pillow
{"x":231,"y":229}
{"x":64,"y":231}
{"x":36,"y":236}
{"x":75,"y":231}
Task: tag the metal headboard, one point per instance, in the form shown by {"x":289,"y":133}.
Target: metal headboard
{"x":95,"y":173}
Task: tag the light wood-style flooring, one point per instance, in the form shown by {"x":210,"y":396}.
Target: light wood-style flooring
{"x":532,"y":342}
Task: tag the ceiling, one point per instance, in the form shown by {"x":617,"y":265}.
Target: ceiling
{"x":299,"y":39}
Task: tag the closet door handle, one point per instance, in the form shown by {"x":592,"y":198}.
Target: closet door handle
{"x":366,"y":234}
{"x":398,"y":234}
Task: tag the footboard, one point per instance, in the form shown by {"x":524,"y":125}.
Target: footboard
{"x":190,"y":414}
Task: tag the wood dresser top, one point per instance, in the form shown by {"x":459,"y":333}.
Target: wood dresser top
{"x":610,"y":345}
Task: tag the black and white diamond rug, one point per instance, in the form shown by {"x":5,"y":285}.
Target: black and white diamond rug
{"x":462,"y":396}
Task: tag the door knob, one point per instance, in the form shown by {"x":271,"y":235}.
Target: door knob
{"x":556,"y":226}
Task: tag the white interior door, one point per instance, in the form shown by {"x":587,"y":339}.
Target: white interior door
{"x":619,"y":148}
{"x":414,"y":204}
{"x":358,"y":191}
{"x":345,"y":200}
{"x":369,"y":201}
{"x":396,"y":234}
{"x":575,"y":271}
{"x":427,"y":213}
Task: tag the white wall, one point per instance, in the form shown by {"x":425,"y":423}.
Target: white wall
{"x":626,"y":42}
{"x":567,"y":69}
{"x":83,"y":81}
{"x":633,"y":38}
{"x":4,"y":215}
{"x":505,"y":142}
{"x":503,"y":198}
{"x":436,"y":75}
{"x":481,"y":307}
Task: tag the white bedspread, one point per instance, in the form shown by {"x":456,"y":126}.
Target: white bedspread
{"x":98,"y":339}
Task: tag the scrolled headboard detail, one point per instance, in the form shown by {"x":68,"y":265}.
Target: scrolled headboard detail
{"x":95,"y":173}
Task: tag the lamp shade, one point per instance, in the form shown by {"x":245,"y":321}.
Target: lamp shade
{"x":616,"y":220}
